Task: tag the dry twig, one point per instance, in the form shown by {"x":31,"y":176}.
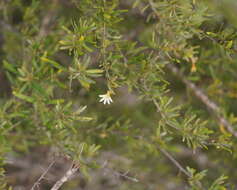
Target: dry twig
{"x":212,"y":106}
{"x":68,"y":175}
{"x":175,"y":162}
{"x":37,"y":183}
{"x":198,"y":92}
{"x":179,"y":166}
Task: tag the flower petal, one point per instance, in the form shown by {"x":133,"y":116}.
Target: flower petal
{"x":102,"y":99}
{"x":105,"y":98}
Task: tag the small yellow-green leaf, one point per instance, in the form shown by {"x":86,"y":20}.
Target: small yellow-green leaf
{"x":9,"y":67}
{"x":87,"y":48}
{"x":63,"y":42}
{"x":229,"y":44}
{"x":56,"y":101}
{"x":85,"y":118}
{"x":94,"y":71}
{"x":23,"y":97}
{"x":85,"y":84}
{"x":53,"y":63}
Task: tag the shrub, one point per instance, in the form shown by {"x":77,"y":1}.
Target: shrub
{"x":149,"y":81}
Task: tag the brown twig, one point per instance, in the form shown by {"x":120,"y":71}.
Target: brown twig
{"x":68,"y":175}
{"x":119,"y":174}
{"x":175,"y":162}
{"x":179,"y":166}
{"x":212,"y":106}
{"x":37,"y":183}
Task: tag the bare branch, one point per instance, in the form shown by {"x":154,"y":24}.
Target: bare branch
{"x":68,"y":175}
{"x":179,"y":166}
{"x":212,"y":106}
{"x":119,"y":174}
{"x":175,"y":162}
{"x":37,"y":183}
{"x":198,"y":92}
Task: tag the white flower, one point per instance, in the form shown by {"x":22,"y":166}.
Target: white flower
{"x":106,"y":98}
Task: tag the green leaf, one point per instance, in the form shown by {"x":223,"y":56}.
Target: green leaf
{"x":53,"y":63}
{"x":85,"y":84}
{"x":84,"y":118}
{"x":23,"y":97}
{"x":94,"y":71}
{"x":9,"y":67}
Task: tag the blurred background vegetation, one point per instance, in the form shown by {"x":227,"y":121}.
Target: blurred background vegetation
{"x":58,"y":56}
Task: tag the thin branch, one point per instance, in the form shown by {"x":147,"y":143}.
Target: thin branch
{"x":68,"y":175}
{"x":119,"y":174}
{"x":37,"y":183}
{"x":175,"y":162}
{"x":212,"y":106}
{"x":179,"y":166}
{"x":198,"y":92}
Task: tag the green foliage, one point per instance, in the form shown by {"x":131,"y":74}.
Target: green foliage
{"x":59,"y":58}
